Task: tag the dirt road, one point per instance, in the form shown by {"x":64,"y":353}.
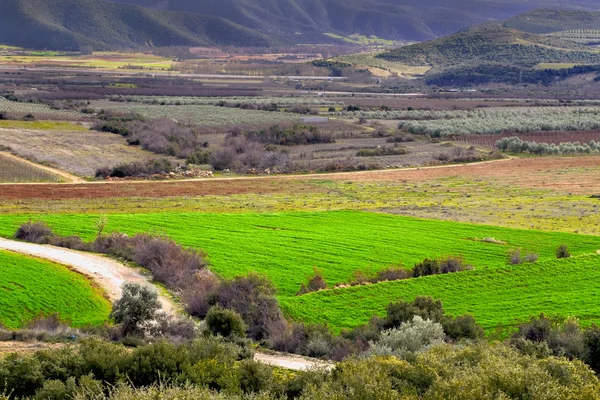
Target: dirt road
{"x":107,"y":273}
{"x":111,"y":275}
{"x":65,"y":175}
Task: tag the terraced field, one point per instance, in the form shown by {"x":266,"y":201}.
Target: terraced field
{"x":506,"y":296}
{"x":30,"y":287}
{"x":285,"y":247}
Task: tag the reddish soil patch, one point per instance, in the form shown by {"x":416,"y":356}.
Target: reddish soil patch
{"x":578,"y":175}
{"x":103,"y":190}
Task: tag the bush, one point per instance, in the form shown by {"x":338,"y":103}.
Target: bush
{"x":452,"y":264}
{"x":462,"y":327}
{"x":563,"y":251}
{"x":426,"y":268}
{"x":403,"y":311}
{"x":137,"y":305}
{"x":411,"y":337}
{"x":226,"y":323}
{"x":137,"y":169}
{"x":34,"y":232}
{"x":314,"y":284}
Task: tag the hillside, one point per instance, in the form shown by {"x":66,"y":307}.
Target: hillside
{"x":304,"y":21}
{"x":73,"y":24}
{"x":549,"y":21}
{"x":490,"y":44}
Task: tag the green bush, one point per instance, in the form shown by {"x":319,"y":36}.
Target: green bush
{"x":563,"y":251}
{"x":137,"y":304}
{"x":226,"y":323}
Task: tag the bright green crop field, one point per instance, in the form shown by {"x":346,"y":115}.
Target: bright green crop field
{"x":30,"y":287}
{"x":286,"y":246}
{"x":505,"y":296}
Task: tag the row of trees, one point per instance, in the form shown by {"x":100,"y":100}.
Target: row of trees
{"x":516,"y":145}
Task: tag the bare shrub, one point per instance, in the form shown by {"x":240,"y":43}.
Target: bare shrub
{"x":34,"y":232}
{"x":531,"y":257}
{"x":69,"y":242}
{"x":450,"y":265}
{"x":392,"y":274}
{"x":169,"y":262}
{"x":514,"y":257}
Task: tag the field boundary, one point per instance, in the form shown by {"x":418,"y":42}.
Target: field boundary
{"x":65,"y":175}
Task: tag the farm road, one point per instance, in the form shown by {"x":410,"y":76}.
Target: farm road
{"x":111,"y":275}
{"x":65,"y":175}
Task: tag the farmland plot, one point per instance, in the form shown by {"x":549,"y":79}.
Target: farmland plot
{"x":286,"y":247}
{"x":504,"y":296}
{"x":13,"y":171}
{"x":30,"y":287}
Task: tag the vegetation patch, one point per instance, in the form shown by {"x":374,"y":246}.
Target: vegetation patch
{"x":30,"y":287}
{"x":494,"y":296}
{"x":337,"y":243}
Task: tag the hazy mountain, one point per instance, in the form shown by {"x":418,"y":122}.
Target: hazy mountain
{"x":71,"y":24}
{"x":304,"y":20}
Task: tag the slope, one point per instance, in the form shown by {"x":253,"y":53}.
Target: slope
{"x":492,"y":43}
{"x":73,"y":24}
{"x":550,"y":20}
{"x":306,"y":20}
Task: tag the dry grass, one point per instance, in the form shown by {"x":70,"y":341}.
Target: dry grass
{"x":14,"y":171}
{"x":80,"y":153}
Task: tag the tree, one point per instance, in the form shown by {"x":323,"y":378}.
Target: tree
{"x":138,"y":303}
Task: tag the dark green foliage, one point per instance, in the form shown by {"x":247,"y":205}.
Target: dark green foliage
{"x":462,"y":327}
{"x":226,"y":323}
{"x":102,"y":25}
{"x":137,"y":168}
{"x":491,"y":44}
{"x":553,"y":20}
{"x":403,"y":311}
{"x":287,"y":136}
{"x":501,"y":73}
{"x":426,"y":268}
{"x":562,"y":251}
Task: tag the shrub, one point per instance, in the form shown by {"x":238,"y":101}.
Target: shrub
{"x":35,"y":232}
{"x":169,"y":262}
{"x":452,"y":264}
{"x":314,"y":284}
{"x":462,"y":327}
{"x":403,"y":311}
{"x":563,"y":251}
{"x":531,"y":257}
{"x":137,"y":169}
{"x":411,"y":337}
{"x":137,"y":305}
{"x":391,"y":274}
{"x":514,"y":257}
{"x":426,"y":268}
{"x":226,"y":323}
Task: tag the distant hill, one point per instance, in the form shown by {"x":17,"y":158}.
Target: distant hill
{"x":73,"y":24}
{"x":304,"y":21}
{"x":492,"y":43}
{"x":549,"y":21}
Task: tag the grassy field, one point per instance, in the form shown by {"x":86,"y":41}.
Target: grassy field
{"x":287,"y":246}
{"x":30,"y":286}
{"x":13,"y":171}
{"x":208,"y":115}
{"x":42,"y":125}
{"x":505,"y":296}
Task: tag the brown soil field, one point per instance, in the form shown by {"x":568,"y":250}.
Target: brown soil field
{"x":577,"y":175}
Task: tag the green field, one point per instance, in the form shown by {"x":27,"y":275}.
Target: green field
{"x":30,"y":287}
{"x":506,"y":296}
{"x":287,"y":246}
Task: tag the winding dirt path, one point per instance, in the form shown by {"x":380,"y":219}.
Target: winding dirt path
{"x":65,"y":175}
{"x":107,"y":273}
{"x":111,"y":275}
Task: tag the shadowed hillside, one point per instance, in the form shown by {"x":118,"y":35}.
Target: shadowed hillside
{"x":72,"y":24}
